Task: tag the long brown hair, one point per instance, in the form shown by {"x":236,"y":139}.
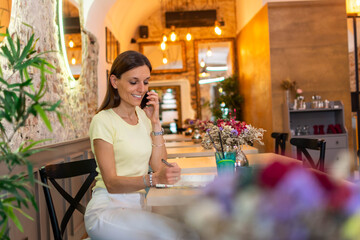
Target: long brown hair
{"x":123,"y":63}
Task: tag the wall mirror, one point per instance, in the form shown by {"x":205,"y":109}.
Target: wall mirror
{"x":70,"y":35}
{"x":170,"y":107}
{"x":215,"y":62}
{"x":171,"y":60}
{"x":5,"y":13}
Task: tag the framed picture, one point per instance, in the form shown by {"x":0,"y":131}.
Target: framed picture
{"x":175,"y":54}
{"x":112,"y":46}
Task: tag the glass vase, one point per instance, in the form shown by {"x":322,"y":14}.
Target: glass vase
{"x":241,"y":159}
{"x":225,"y":162}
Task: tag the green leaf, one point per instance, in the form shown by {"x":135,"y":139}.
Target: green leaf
{"x":6,"y":53}
{"x":12,"y":46}
{"x":4,"y":230}
{"x":24,"y":214}
{"x":30,"y":172}
{"x":58,"y":114}
{"x":28,"y":82}
{"x":33,"y":144}
{"x":9,"y":210}
{"x":1,"y":72}
{"x":43,"y":116}
{"x":32,"y":28}
{"x":54,"y":106}
{"x":26,"y":49}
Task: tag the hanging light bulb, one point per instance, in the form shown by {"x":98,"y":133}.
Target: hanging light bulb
{"x":73,"y":60}
{"x":209,"y":52}
{"x":164,"y":60}
{"x":71,"y":44}
{"x":164,"y":38}
{"x":202,"y":63}
{"x":163,"y":46}
{"x":173,"y":34}
{"x":217,"y":28}
{"x":188,"y":36}
{"x":204,"y":73}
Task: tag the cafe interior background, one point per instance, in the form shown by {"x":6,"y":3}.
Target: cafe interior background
{"x":263,"y":42}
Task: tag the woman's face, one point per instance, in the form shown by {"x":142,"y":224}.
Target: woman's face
{"x":132,"y":85}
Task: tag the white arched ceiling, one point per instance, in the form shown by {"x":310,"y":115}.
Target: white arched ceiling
{"x":123,"y":18}
{"x":126,"y":16}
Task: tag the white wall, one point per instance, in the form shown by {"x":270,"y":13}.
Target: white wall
{"x":245,"y":11}
{"x":123,"y":18}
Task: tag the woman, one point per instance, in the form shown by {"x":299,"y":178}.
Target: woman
{"x":126,"y":140}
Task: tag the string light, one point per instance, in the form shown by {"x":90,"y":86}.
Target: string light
{"x":188,"y":36}
{"x":202,"y":63}
{"x":163,"y":46}
{"x":204,"y":74}
{"x":164,"y":37}
{"x":164,"y":60}
{"x":217,"y":28}
{"x":73,"y":60}
{"x":173,"y":34}
{"x":209,"y":52}
{"x":71,"y":44}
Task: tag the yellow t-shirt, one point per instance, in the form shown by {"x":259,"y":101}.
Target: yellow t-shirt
{"x":131,"y":143}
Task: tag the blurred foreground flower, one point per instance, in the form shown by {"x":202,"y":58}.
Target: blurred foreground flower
{"x":282,"y":201}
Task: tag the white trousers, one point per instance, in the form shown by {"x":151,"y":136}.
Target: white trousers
{"x":122,"y":216}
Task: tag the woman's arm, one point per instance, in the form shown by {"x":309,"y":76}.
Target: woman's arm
{"x":158,"y":148}
{"x":117,"y":184}
{"x":162,"y":173}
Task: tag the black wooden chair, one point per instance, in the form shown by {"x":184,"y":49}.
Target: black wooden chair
{"x":302,"y":144}
{"x":61,"y":171}
{"x":280,"y":141}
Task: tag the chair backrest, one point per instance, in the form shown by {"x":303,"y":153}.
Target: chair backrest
{"x":61,"y":171}
{"x":280,"y":141}
{"x":302,"y":144}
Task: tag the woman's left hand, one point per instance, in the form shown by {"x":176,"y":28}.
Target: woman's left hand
{"x":152,"y":108}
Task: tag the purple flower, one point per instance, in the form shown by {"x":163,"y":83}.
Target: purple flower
{"x":298,"y":192}
{"x":221,"y":128}
{"x":234,"y":132}
{"x":223,"y":189}
{"x":353,"y":204}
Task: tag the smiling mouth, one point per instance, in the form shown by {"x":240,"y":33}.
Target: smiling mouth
{"x":137,"y":96}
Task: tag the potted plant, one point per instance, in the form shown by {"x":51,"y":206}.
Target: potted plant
{"x":21,"y":97}
{"x":230,"y":98}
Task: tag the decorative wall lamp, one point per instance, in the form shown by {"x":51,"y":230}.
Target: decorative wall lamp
{"x":71,"y":43}
{"x":353,"y":10}
{"x":188,"y":36}
{"x":217,"y":28}
{"x":173,"y":34}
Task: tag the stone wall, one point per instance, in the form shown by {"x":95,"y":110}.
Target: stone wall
{"x":156,"y":25}
{"x":78,"y":98}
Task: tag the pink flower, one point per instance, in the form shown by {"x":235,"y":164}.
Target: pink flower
{"x":299,"y":91}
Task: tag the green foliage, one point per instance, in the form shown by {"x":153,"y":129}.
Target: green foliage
{"x":231,"y":97}
{"x":19,"y":100}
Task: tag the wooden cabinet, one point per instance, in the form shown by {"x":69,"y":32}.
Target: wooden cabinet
{"x":306,"y":123}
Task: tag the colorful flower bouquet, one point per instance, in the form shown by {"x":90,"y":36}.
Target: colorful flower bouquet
{"x":229,"y":135}
{"x":282,"y":202}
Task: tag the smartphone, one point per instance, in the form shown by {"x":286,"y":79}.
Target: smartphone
{"x":144,"y":101}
